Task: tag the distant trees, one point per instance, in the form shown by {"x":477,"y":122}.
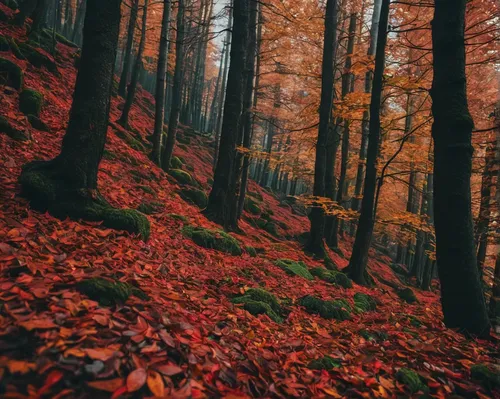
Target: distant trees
{"x":462,"y":298}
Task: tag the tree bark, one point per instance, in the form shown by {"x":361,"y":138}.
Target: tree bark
{"x":76,"y":37}
{"x":461,"y":292}
{"x":122,"y":88}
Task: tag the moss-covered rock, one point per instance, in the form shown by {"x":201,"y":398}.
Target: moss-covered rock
{"x":370,"y":335}
{"x":130,"y":140}
{"x":255,"y":194}
{"x":37,"y":123}
{"x":30,"y":102}
{"x":61,"y":39}
{"x":324,"y":363}
{"x":197,"y":197}
{"x":36,"y":58}
{"x":11,"y":131}
{"x":251,"y":206}
{"x":12,"y":74}
{"x":259,"y":301}
{"x":294,"y":268}
{"x":251,"y":251}
{"x":183,"y":139}
{"x":272,"y":229}
{"x":486,"y":376}
{"x":181,"y":176}
{"x":338,"y":309}
{"x":150,"y":208}
{"x":364,"y":302}
{"x":176,"y":163}
{"x":411,"y":380}
{"x":108,"y":293}
{"x":146,"y":189}
{"x":213,"y":239}
{"x":331,"y":276}
{"x":175,"y":216}
{"x":407,"y":295}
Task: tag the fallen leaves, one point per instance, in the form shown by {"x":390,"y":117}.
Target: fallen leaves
{"x":136,"y":379}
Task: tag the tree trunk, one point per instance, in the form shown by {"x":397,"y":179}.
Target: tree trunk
{"x":136,"y":70}
{"x":175,"y":110}
{"x":122,"y":88}
{"x":76,"y":37}
{"x":218,"y":208}
{"x":213,"y":108}
{"x":359,"y":257}
{"x":67,"y":185}
{"x":38,"y":16}
{"x":161,"y":85}
{"x":317,"y":216}
{"x":461,"y":292}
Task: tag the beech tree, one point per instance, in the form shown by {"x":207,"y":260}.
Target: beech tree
{"x":67,"y":186}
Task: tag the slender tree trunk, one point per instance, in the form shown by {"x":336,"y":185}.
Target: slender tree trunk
{"x":122,"y":88}
{"x":161,"y":85}
{"x":461,"y":292}
{"x":218,"y":208}
{"x":359,"y":257}
{"x":39,"y":15}
{"x":213,"y":108}
{"x":317,"y":216}
{"x":175,"y":110}
{"x":137,"y":68}
{"x":495,"y":294}
{"x":76,"y":37}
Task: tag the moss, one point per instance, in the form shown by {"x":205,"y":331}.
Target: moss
{"x":108,"y":293}
{"x":11,"y":131}
{"x":251,"y":251}
{"x":181,"y":176}
{"x":127,"y":219}
{"x":338,"y":309}
{"x":411,"y":380}
{"x":176,"y":163}
{"x":146,"y":189}
{"x":175,"y":216}
{"x":214,"y":239}
{"x":197,"y":197}
{"x":333,"y":277}
{"x":266,"y":215}
{"x":30,"y":102}
{"x":373,"y":335}
{"x":38,"y":124}
{"x":210,"y":181}
{"x":488,"y":378}
{"x":407,"y":295}
{"x":258,"y":196}
{"x":61,"y":39}
{"x":130,"y":140}
{"x":4,"y":44}
{"x":183,"y":139}
{"x":36,"y":58}
{"x":294,"y":268}
{"x":150,"y":208}
{"x":324,"y":363}
{"x":364,"y":302}
{"x":251,"y":206}
{"x":272,"y":229}
{"x":415,"y":321}
{"x":12,"y":73}
{"x":258,"y":301}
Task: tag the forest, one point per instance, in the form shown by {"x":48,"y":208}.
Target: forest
{"x":249,"y":199}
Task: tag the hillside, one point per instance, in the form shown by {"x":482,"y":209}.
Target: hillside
{"x":165,"y":323}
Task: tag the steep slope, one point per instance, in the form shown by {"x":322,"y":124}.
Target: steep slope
{"x":171,"y":328}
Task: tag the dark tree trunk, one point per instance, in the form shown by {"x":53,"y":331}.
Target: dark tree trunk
{"x":39,"y":16}
{"x":161,"y":85}
{"x":317,"y":216}
{"x":175,"y":110}
{"x":461,"y":292}
{"x":67,"y":185}
{"x":136,"y":70}
{"x":213,"y":108}
{"x":359,"y":258}
{"x":218,"y":208}
{"x":80,"y":15}
{"x":122,"y":88}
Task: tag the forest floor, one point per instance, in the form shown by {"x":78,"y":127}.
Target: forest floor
{"x":185,"y":338}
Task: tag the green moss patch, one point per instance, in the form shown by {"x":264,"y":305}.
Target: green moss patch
{"x":30,"y":102}
{"x":130,"y":140}
{"x":10,"y":74}
{"x":251,"y":206}
{"x":197,"y":197}
{"x":331,"y":276}
{"x":407,"y":295}
{"x":36,"y":58}
{"x":338,"y":309}
{"x":108,"y":293}
{"x":251,"y":251}
{"x":150,"y":208}
{"x":181,"y":176}
{"x":213,"y":239}
{"x":411,"y":380}
{"x":176,"y":163}
{"x":146,"y":189}
{"x":11,"y":131}
{"x":487,"y":377}
{"x":184,"y":140}
{"x":364,"y":302}
{"x":37,"y":123}
{"x":372,"y":335}
{"x":175,"y":216}
{"x":324,"y":363}
{"x":294,"y":268}
{"x":259,"y":301}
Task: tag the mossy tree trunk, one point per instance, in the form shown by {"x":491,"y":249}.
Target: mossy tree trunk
{"x":173,"y":122}
{"x":219,"y":204}
{"x":462,"y":298}
{"x":122,"y":88}
{"x":359,"y":258}
{"x":67,"y":185}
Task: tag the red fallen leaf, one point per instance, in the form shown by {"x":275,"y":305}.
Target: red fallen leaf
{"x":38,"y":324}
{"x":136,"y":379}
{"x":20,"y":366}
{"x":119,"y":392}
{"x":155,"y":383}
{"x":102,"y":320}
{"x":102,"y":354}
{"x":169,"y":369}
{"x":53,"y":378}
{"x":167,"y":338}
{"x":107,"y":385}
